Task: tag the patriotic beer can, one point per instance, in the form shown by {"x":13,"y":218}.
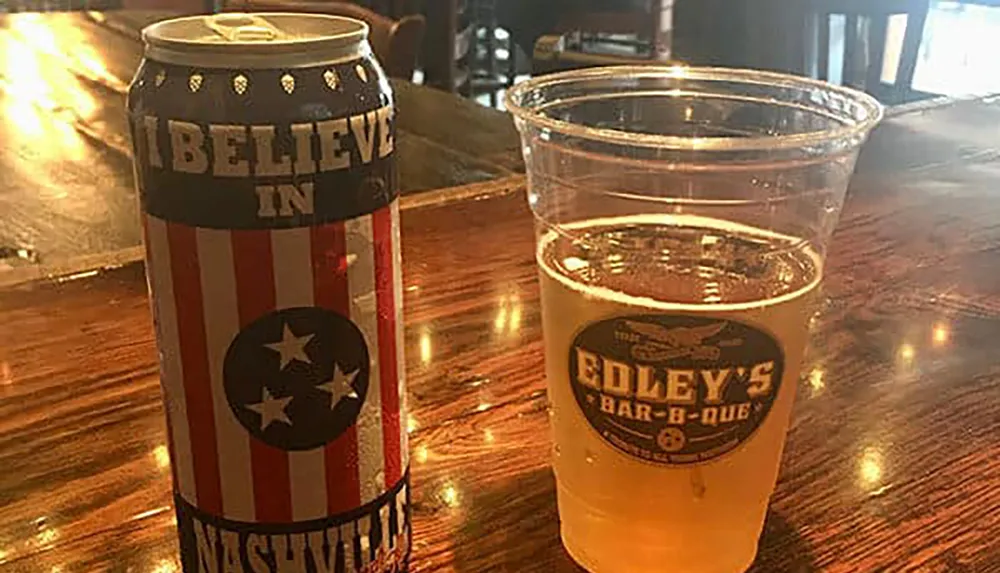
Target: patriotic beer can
{"x":264,"y":159}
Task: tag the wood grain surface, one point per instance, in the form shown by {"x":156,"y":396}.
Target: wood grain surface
{"x":893,"y":457}
{"x":67,"y":191}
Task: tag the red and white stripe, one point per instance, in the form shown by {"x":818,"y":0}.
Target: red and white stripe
{"x":389,"y":289}
{"x":221,"y":316}
{"x":397,"y":265}
{"x":210,"y":283}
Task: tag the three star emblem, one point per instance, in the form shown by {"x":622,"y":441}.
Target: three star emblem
{"x":290,"y":348}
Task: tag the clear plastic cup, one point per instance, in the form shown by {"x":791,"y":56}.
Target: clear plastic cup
{"x":683,"y":217}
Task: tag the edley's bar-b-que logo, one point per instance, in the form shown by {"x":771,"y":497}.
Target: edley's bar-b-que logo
{"x":674,"y":389}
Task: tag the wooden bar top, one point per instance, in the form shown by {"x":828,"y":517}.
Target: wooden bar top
{"x":893,"y":456}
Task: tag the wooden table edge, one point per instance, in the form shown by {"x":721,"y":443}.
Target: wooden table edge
{"x":88,"y":265}
{"x":469,"y":192}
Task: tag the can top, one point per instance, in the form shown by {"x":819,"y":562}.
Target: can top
{"x":256,"y":40}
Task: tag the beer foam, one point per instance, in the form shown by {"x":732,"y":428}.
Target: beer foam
{"x":684,"y":221}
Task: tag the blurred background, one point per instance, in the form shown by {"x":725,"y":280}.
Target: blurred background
{"x":898,"y":50}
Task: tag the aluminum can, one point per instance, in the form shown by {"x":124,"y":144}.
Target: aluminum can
{"x":264,"y":161}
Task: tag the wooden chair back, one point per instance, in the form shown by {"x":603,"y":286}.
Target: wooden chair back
{"x":396,"y":43}
{"x":450,"y":39}
{"x":390,"y":8}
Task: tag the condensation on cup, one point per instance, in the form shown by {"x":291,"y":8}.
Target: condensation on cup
{"x":682,"y":218}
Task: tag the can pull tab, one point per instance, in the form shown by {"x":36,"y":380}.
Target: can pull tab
{"x":236,"y":27}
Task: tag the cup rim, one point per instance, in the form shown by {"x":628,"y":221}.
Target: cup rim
{"x":532,"y":114}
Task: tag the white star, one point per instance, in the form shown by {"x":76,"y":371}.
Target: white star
{"x":271,"y":410}
{"x":340,"y":386}
{"x":291,"y":347}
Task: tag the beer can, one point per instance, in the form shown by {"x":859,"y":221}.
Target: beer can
{"x":264,"y":161}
